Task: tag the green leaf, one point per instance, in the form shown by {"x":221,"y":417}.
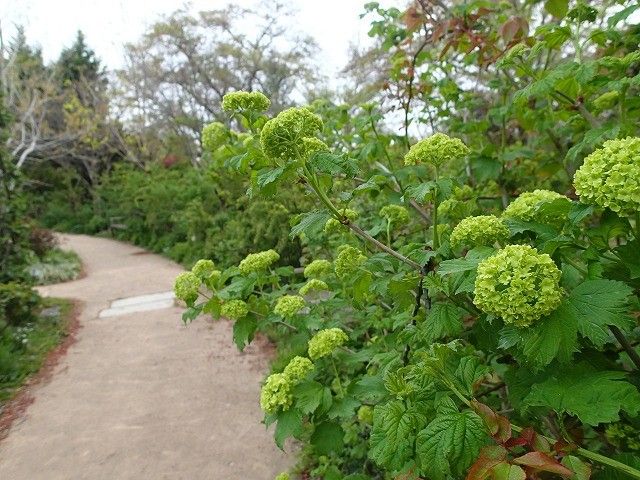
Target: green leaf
{"x":308,"y":396}
{"x":592,"y":396}
{"x":289,"y":425}
{"x":552,"y":337}
{"x":470,"y":262}
{"x":243,"y":331}
{"x":450,"y":444}
{"x":310,"y":221}
{"x":393,"y":435}
{"x":369,"y":389}
{"x":622,"y":15}
{"x":333,"y":164}
{"x":628,"y":253}
{"x":420,"y":192}
{"x":327,"y":437}
{"x":557,"y":8}
{"x":343,"y":408}
{"x":469,"y":372}
{"x":443,"y":320}
{"x":596,"y":304}
{"x":581,"y":470}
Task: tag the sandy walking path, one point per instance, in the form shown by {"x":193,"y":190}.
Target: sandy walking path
{"x":139,"y":396}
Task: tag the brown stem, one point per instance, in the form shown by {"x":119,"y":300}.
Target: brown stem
{"x":381,"y":246}
{"x":633,"y":355}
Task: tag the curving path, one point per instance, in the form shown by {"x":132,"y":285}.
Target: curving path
{"x":140,"y":396}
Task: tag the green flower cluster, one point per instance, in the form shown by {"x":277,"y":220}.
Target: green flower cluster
{"x":282,"y":137}
{"x":318,"y":268}
{"x":610,"y":176}
{"x":288,"y":305}
{"x":186,"y":287}
{"x":325,"y":342}
{"x":526,"y":207}
{"x":245,"y":101}
{"x":478,"y":231}
{"x":395,"y":214}
{"x":203,"y":268}
{"x":276,"y":391}
{"x":365,"y":414}
{"x":623,"y":436}
{"x":234,"y":309}
{"x":348,"y":261}
{"x":518,"y":284}
{"x":282,"y":476}
{"x":313,"y":285}
{"x":255,"y":262}
{"x":311,"y":145}
{"x":213,"y":136}
{"x":298,"y":368}
{"x":436,"y":150}
{"x":334,"y":225}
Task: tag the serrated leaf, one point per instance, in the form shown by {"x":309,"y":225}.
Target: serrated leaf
{"x":327,"y":437}
{"x":596,"y":304}
{"x":443,"y":320}
{"x":469,"y":372}
{"x":421,"y":191}
{"x":332,"y":164}
{"x":542,"y":462}
{"x":393,"y":434}
{"x":450,"y":444}
{"x":552,"y":337}
{"x":592,"y":396}
{"x":308,"y":396}
{"x":310,"y":221}
{"x":580,"y":469}
{"x":289,"y":425}
{"x":343,"y":408}
{"x":243,"y":331}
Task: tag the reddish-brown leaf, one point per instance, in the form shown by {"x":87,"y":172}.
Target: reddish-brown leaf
{"x":499,"y":426}
{"x":543,"y":462}
{"x":489,"y":457}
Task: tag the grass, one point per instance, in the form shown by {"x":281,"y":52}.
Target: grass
{"x":55,"y":266}
{"x":23,"y":349}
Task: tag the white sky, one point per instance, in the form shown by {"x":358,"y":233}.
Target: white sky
{"x":108,"y":24}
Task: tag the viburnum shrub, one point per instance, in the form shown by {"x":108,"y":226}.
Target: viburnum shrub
{"x":498,"y":346}
{"x":493,"y":331}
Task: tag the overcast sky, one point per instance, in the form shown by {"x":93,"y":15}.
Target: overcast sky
{"x":108,"y":24}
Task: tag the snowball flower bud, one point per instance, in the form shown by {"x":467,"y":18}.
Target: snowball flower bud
{"x":255,"y":262}
{"x":203,"y":268}
{"x":436,"y":150}
{"x":478,"y":231}
{"x":282,"y":137}
{"x":395,"y":214}
{"x":213,"y":136}
{"x":610,"y":177}
{"x":325,"y":342}
{"x":288,"y":305}
{"x":334,"y":225}
{"x":297,"y":369}
{"x":318,"y":268}
{"x":186,"y":287}
{"x":348,"y":261}
{"x":245,"y":101}
{"x":313,"y":285}
{"x":526,"y":207}
{"x":365,"y":414}
{"x":517,"y":51}
{"x":234,"y":309}
{"x":518,"y":284}
{"x":311,"y":145}
{"x":282,"y":476}
{"x":276,"y":393}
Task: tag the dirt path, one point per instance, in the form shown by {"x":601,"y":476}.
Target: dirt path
{"x":139,"y":396}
